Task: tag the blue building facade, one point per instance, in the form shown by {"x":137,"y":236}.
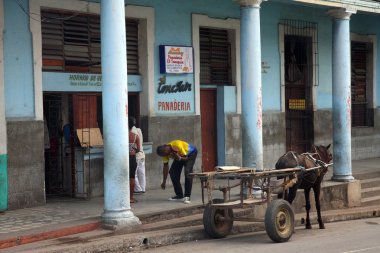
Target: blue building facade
{"x":244,"y":81}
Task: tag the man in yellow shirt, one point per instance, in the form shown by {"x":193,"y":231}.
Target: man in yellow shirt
{"x":183,"y":155}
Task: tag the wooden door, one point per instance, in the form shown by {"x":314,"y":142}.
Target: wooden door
{"x":208,"y":125}
{"x":85,"y":111}
{"x":298,"y":93}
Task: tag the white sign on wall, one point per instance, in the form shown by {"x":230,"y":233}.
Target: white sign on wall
{"x":176,"y":60}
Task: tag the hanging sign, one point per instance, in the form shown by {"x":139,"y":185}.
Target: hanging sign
{"x":176,"y":60}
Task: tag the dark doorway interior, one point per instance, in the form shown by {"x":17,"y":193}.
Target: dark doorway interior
{"x":65,"y":116}
{"x":298,"y":93}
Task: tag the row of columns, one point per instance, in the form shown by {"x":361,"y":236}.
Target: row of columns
{"x":117,"y":210}
{"x":252,"y":89}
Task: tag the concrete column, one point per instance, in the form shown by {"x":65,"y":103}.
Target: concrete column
{"x":252,"y":134}
{"x":117,"y":210}
{"x":341,"y":95}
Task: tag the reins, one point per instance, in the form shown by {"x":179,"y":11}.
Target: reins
{"x":317,"y":161}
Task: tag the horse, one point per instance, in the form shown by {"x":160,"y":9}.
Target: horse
{"x":307,"y":180}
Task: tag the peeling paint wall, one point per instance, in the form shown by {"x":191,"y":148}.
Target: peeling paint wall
{"x":233,"y":141}
{"x":26,"y":168}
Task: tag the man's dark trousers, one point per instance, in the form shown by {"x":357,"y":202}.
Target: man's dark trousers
{"x":175,"y":175}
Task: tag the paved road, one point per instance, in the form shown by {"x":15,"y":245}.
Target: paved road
{"x":356,"y":236}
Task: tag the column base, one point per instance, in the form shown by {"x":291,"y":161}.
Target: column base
{"x":342,"y":178}
{"x":119,"y":220}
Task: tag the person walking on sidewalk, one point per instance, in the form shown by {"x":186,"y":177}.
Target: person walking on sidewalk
{"x":140,"y":181}
{"x":183,"y":155}
{"x":134,"y":147}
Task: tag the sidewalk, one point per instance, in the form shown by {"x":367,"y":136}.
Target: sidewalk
{"x":66,"y":216}
{"x":63,"y":212}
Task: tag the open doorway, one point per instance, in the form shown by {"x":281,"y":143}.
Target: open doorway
{"x":299,"y":77}
{"x":72,"y":168}
{"x":298,"y":93}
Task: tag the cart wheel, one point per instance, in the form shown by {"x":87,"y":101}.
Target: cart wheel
{"x":279,"y":220}
{"x":217,"y":222}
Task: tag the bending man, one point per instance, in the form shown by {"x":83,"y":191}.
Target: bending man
{"x":183,"y":155}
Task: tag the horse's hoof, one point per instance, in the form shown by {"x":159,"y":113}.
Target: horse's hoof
{"x":302,"y":220}
{"x":308,"y":226}
{"x":322,"y":226}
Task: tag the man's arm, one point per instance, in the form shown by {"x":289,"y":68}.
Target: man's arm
{"x":138,"y":143}
{"x":165,"y":171}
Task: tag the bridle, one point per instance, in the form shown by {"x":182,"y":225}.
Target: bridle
{"x":320,"y":161}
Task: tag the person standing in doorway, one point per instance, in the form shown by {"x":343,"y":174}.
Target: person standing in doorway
{"x":183,"y":155}
{"x":134,"y":147}
{"x":140,"y":181}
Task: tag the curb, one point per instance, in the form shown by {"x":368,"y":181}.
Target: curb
{"x":91,"y":226}
{"x":143,"y":240}
{"x":19,"y":240}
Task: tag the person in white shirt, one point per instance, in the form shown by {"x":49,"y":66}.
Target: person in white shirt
{"x":140,"y":181}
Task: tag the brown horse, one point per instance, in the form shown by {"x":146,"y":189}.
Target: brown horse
{"x":307,"y":180}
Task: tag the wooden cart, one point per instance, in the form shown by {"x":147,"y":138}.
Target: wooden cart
{"x":218,"y":215}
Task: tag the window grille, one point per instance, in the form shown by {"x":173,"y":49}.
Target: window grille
{"x":72,"y":42}
{"x":308,"y":31}
{"x":215,"y":57}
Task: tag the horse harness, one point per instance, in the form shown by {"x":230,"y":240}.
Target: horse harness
{"x":322,"y":165}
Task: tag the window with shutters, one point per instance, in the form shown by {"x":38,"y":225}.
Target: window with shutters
{"x":215,"y":57}
{"x":71,"y":42}
{"x":362,"y":114}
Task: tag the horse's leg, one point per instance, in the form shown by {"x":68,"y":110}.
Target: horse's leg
{"x":292,"y":192}
{"x":307,"y":207}
{"x":291,"y":195}
{"x":317,"y":192}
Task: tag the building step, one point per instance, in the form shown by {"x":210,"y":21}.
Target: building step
{"x":370,"y":192}
{"x":370,"y":183}
{"x":171,"y":214}
{"x":375,"y":200}
{"x":367,"y":175}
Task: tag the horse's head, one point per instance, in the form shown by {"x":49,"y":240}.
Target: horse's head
{"x":323,"y":152}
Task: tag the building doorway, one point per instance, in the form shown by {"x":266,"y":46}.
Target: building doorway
{"x":209,"y":132}
{"x":299,"y":80}
{"x":70,"y":169}
{"x":362,"y":113}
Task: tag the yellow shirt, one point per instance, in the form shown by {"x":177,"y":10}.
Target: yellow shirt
{"x":183,"y":147}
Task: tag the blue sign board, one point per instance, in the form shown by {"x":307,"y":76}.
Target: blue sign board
{"x":82,"y":82}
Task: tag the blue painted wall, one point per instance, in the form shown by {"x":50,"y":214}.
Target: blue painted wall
{"x":18,"y":61}
{"x":271,"y":14}
{"x":368,"y":24}
{"x":173,"y":26}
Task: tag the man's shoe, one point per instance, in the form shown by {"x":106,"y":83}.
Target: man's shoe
{"x":186,"y":200}
{"x":176,"y":198}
